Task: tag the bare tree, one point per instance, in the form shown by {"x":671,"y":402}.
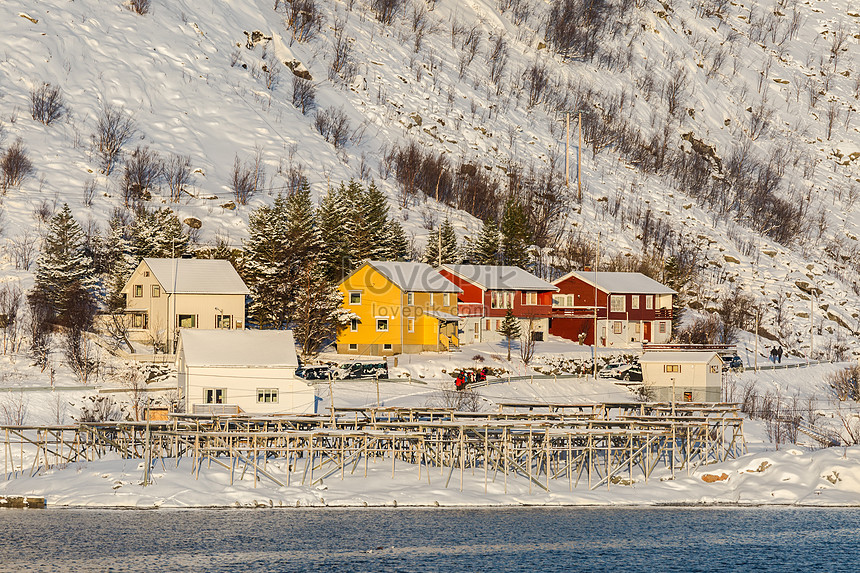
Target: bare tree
{"x":15,"y":166}
{"x":89,"y":191}
{"x":134,"y":381}
{"x":386,"y":10}
{"x":248,"y":178}
{"x":342,"y":63}
{"x":13,"y":408}
{"x":333,"y":125}
{"x":139,"y":6}
{"x":22,"y":250}
{"x":272,"y":72}
{"x":837,"y":44}
{"x":141,"y":175}
{"x":528,"y":343}
{"x":304,"y":19}
{"x":304,"y":95}
{"x":176,"y":170}
{"x":113,"y":131}
{"x":81,"y":354}
{"x":47,"y":103}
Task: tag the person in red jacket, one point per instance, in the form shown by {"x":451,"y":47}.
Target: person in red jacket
{"x":460,"y":381}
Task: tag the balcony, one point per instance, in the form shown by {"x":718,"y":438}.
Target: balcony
{"x":663,"y":314}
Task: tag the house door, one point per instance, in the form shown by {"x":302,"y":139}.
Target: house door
{"x":646,"y":336}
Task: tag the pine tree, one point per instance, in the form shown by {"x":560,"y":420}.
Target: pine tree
{"x":510,"y":329}
{"x":157,"y":234}
{"x":121,"y":261}
{"x":514,"y":235}
{"x":486,"y":249}
{"x":374,"y":211}
{"x":65,"y":272}
{"x":448,"y":243}
{"x":317,"y":310}
{"x":674,"y":279}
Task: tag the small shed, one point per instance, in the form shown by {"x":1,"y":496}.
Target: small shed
{"x":695,"y":375}
{"x":241,"y":371}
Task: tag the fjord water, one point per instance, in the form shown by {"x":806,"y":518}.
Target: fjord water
{"x":429,"y":540}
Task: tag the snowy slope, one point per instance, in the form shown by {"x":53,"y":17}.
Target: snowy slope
{"x":193,"y":86}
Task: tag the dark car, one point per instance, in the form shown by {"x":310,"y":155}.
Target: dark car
{"x":733,"y":363}
{"x":622,"y":371}
{"x":314,"y":372}
{"x":357,"y":370}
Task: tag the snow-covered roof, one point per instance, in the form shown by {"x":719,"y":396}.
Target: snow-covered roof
{"x":414,"y":277}
{"x":244,"y":348}
{"x":621,"y":283}
{"x":500,"y":277}
{"x":444,"y":316}
{"x":680,"y":356}
{"x":184,"y":276}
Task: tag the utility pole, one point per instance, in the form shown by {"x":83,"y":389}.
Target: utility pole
{"x":567,"y":152}
{"x":594,"y":346}
{"x":756,"y":340}
{"x":579,"y":162}
{"x":811,"y":326}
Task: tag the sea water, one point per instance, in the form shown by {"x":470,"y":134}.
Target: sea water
{"x":429,"y":540}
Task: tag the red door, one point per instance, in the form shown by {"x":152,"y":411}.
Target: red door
{"x":647,"y":336}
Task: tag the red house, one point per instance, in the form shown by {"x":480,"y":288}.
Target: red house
{"x":623,"y":308}
{"x":490,"y":290}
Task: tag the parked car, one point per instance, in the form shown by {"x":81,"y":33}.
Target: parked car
{"x":314,"y":372}
{"x":356,"y":370}
{"x":622,"y":371}
{"x":733,"y":363}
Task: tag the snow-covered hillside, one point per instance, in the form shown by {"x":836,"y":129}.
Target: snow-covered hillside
{"x":726,"y":132}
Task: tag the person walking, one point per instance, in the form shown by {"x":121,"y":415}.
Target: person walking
{"x":779,"y":355}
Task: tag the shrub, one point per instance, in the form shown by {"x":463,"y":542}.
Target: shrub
{"x":46,"y":103}
{"x":141,"y":175}
{"x":845,"y":383}
{"x":139,"y":6}
{"x":304,"y":19}
{"x":15,"y":166}
{"x":176,"y":170}
{"x":386,"y":10}
{"x":247,"y":177}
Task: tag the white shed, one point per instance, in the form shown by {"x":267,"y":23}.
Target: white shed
{"x":241,"y":371}
{"x":696,"y":376}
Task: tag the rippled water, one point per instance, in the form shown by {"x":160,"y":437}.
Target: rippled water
{"x":393,"y":540}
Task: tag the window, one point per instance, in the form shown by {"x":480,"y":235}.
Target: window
{"x":410,"y":325}
{"x":381,"y":325}
{"x":214,"y":395}
{"x":662,"y":327}
{"x":223,"y":321}
{"x":715,"y":369}
{"x":353,"y":325}
{"x":637,"y":328}
{"x":139,"y":320}
{"x":354,"y":297}
{"x":649,"y":302}
{"x":617,"y":327}
{"x":688,"y":396}
{"x":187,"y":320}
{"x":502,"y":299}
{"x":410,"y":298}
{"x":671,"y":368}
{"x":267,"y":395}
{"x":146,"y":273}
{"x":138,"y":291}
{"x":498,"y":325}
{"x":353,"y":346}
{"x":557,"y":300}
{"x":570,"y":300}
{"x":156,"y":291}
{"x":386,"y":347}
{"x":616,"y":303}
{"x":446,"y":299}
{"x":530,"y":298}
{"x":634,"y":302}
{"x":488,"y":324}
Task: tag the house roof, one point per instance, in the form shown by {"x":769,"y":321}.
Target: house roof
{"x":206,"y":276}
{"x":414,"y":277}
{"x":243,"y":348}
{"x":678,"y":356}
{"x":499,"y":277}
{"x":621,"y":283}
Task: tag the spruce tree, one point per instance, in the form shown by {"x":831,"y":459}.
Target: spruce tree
{"x":515,"y":235}
{"x":332,"y":219}
{"x":448,"y":244}
{"x":675,"y":280}
{"x":64,"y":274}
{"x":317,"y":310}
{"x":510,"y":329}
{"x":396,"y":243}
{"x":486,"y":249}
{"x":121,"y":260}
{"x":157,"y":234}
{"x":264,"y":265}
{"x":374,"y":211}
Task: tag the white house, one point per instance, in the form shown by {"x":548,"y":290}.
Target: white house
{"x":695,"y":376}
{"x":241,"y":371}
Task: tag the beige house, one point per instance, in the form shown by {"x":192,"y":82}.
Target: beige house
{"x":164,"y":295}
{"x":241,"y":371}
{"x":695,"y":376}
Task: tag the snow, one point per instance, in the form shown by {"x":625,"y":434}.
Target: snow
{"x":257,"y":348}
{"x":500,"y":277}
{"x":196,"y":276}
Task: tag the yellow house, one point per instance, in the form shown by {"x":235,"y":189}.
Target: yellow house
{"x":401,"y":308}
{"x":164,"y":295}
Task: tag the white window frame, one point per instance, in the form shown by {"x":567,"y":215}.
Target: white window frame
{"x":353,"y":325}
{"x":530,"y":298}
{"x":634,"y":302}
{"x":617,"y":327}
{"x":661,"y":327}
{"x":446,"y":299}
{"x":353,"y":346}
{"x":379,"y":322}
{"x":214,"y":395}
{"x":267,"y":395}
{"x":410,"y":298}
{"x":410,"y":324}
{"x":351,"y":294}
{"x":649,"y":302}
{"x":672,"y":368}
{"x":387,"y":347}
{"x":142,"y":318}
{"x":221,"y":318}
{"x":617,"y":303}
